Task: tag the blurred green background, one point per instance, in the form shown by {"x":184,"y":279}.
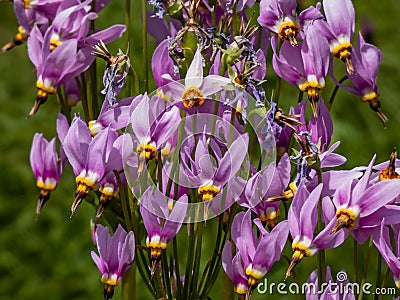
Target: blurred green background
{"x":49,"y":258}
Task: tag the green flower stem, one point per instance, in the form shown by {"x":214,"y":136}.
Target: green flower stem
{"x":66,"y":110}
{"x":384,"y":281}
{"x":355,"y":260}
{"x":189,"y":262}
{"x":143,"y":269}
{"x":277,"y":90}
{"x":335,"y":90}
{"x":83,"y":91}
{"x":144,"y":44}
{"x":166,"y":275}
{"x":124,"y":202}
{"x":300,"y":97}
{"x":213,"y":260}
{"x":197,"y":259}
{"x":217,"y":265}
{"x":92,"y":101}
{"x":176,"y":268}
{"x":364,"y":278}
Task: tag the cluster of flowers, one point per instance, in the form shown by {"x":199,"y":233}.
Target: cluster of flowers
{"x":209,"y":138}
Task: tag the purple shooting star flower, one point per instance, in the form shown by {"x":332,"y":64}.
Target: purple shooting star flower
{"x":45,"y":166}
{"x":305,"y":66}
{"x":265,"y":189}
{"x":116,"y":253}
{"x":382,"y":242}
{"x":116,"y":116}
{"x":366,"y":60}
{"x":252,"y":247}
{"x":280,"y":17}
{"x":203,"y":175}
{"x":151,"y":128}
{"x":195,"y":89}
{"x":87,"y":157}
{"x":361,"y":205}
{"x":161,"y":221}
{"x":302,"y":220}
{"x":339,"y":29}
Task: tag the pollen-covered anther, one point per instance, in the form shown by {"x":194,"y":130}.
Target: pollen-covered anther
{"x":192,"y":97}
{"x":270,"y":217}
{"x":312,"y":88}
{"x":346,"y":218}
{"x":291,"y":192}
{"x":389,"y":172}
{"x":255,"y":273}
{"x":146,"y":153}
{"x":54,"y":42}
{"x":165,"y":96}
{"x":343,"y":52}
{"x":300,"y":251}
{"x":289,"y":31}
{"x":20,"y":37}
{"x":208,"y":192}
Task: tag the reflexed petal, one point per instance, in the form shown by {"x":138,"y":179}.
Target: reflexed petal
{"x":76,"y":144}
{"x":194,"y":75}
{"x":378,"y":195}
{"x":340,"y":17}
{"x":36,"y":154}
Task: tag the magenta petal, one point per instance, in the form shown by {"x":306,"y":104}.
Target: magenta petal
{"x":378,"y":195}
{"x":126,"y":253}
{"x":362,"y":184}
{"x":76,"y":144}
{"x":340,"y":17}
{"x":36,"y":158}
{"x":309,"y":213}
{"x":99,"y":262}
{"x":232,"y":160}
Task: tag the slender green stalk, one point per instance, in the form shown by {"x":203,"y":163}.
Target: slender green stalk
{"x":66,"y":110}
{"x":300,"y":97}
{"x":335,"y":90}
{"x":83,"y":91}
{"x":277,"y":90}
{"x":384,"y":281}
{"x":367,"y":259}
{"x":355,"y":260}
{"x":124,"y":202}
{"x":189,"y":262}
{"x":144,"y":44}
{"x":197,"y":259}
{"x":165,"y":270}
{"x":176,"y":268}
